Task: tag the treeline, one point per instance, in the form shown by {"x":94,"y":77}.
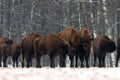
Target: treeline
{"x":21,"y":17}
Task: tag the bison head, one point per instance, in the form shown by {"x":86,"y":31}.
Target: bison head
{"x":6,"y":40}
{"x":106,"y":44}
{"x":9,"y":41}
{"x":86,"y":43}
{"x":111,"y":46}
{"x":85,"y":38}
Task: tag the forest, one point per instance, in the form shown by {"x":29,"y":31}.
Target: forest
{"x":19,"y":18}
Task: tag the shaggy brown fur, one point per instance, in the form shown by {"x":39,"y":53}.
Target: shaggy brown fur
{"x":118,"y":51}
{"x":102,"y":45}
{"x":28,"y":48}
{"x":5,"y":41}
{"x":51,"y":45}
{"x":72,"y":37}
{"x":86,"y":44}
{"x":13,"y":50}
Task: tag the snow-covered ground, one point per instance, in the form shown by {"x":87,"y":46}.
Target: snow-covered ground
{"x":47,"y":73}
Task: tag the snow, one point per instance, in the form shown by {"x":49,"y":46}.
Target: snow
{"x":47,"y":73}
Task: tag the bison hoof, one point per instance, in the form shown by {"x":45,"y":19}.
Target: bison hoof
{"x":76,"y":65}
{"x":87,"y":66}
{"x":82,"y":66}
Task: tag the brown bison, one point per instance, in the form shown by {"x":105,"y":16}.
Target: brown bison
{"x":51,"y":45}
{"x":28,"y":48}
{"x":118,"y":51}
{"x":86,"y":44}
{"x":13,"y":50}
{"x":4,"y":40}
{"x":72,"y":37}
{"x":102,"y":45}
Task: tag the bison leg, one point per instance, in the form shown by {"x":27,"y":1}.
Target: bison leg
{"x":71,"y":60}
{"x":62,"y":61}
{"x":87,"y":60}
{"x":16,"y":61}
{"x":82,"y":60}
{"x":29,"y":61}
{"x":116,"y":64}
{"x":117,"y":59}
{"x":38,"y":60}
{"x":76,"y":65}
{"x":100,"y":62}
{"x":4,"y":61}
{"x":52,"y":63}
{"x":95,"y":58}
{"x":103,"y":61}
{"x":23,"y":57}
{"x":0,"y":60}
{"x":13,"y":60}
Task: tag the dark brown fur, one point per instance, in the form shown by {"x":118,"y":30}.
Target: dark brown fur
{"x":118,"y":51}
{"x":6,"y":41}
{"x":102,"y":45}
{"x":86,"y":44}
{"x":51,"y":45}
{"x":13,"y":50}
{"x":72,"y":37}
{"x":28,"y":48}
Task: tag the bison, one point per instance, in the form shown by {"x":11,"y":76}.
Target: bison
{"x":51,"y":45}
{"x":28,"y":48}
{"x":13,"y":50}
{"x":102,"y":45}
{"x":118,"y":51}
{"x":72,"y":37}
{"x":6,"y":41}
{"x":85,"y":39}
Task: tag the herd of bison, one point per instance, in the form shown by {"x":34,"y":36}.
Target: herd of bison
{"x":68,"y":42}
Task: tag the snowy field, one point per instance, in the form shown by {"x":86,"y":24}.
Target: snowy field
{"x":47,"y":73}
